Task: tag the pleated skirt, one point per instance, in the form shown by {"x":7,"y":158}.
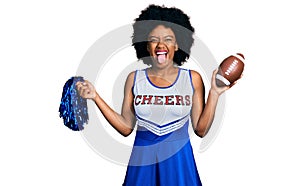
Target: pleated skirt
{"x":162,"y":160}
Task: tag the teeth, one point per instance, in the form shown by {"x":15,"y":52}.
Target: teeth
{"x":159,"y":53}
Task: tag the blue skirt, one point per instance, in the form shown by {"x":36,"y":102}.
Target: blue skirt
{"x":162,"y":160}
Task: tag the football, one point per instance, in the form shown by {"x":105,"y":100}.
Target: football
{"x":230,"y":70}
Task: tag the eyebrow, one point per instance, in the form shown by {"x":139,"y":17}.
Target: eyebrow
{"x":164,"y":36}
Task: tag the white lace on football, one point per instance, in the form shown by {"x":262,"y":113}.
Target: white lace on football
{"x":224,"y":80}
{"x":239,"y":57}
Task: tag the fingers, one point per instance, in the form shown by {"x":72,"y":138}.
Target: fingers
{"x":217,"y":89}
{"x":232,"y":84}
{"x":220,"y":90}
{"x":213,"y":78}
{"x":80,"y":86}
{"x":215,"y":72}
{"x":223,"y":89}
{"x":85,"y":89}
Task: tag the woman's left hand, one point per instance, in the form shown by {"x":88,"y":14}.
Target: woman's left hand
{"x":220,"y":90}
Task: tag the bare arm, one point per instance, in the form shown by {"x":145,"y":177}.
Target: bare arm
{"x":203,"y":114}
{"x":124,"y":122}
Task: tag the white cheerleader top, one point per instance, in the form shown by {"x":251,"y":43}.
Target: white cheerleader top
{"x":162,"y":110}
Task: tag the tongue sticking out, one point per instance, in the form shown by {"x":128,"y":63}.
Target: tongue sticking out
{"x":161,"y":58}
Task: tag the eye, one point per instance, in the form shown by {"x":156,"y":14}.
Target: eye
{"x":169,"y":40}
{"x":153,"y":40}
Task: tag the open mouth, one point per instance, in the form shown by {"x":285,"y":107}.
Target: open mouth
{"x":161,"y":55}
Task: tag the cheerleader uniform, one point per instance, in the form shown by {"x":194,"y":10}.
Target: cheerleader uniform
{"x":162,"y":154}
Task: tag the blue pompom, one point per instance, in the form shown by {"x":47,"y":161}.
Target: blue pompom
{"x":73,"y":108}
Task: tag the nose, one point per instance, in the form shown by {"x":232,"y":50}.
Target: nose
{"x":161,"y":44}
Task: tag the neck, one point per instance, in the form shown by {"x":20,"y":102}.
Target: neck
{"x":163,"y":71}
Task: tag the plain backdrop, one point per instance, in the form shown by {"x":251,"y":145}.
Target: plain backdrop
{"x":43,"y":42}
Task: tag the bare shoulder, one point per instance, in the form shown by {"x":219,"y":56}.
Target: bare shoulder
{"x":131,"y":75}
{"x":196,"y":79}
{"x":130,"y":79}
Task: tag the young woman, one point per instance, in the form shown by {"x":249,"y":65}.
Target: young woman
{"x":162,"y":100}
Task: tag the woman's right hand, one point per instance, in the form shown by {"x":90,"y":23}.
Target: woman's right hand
{"x":86,"y":89}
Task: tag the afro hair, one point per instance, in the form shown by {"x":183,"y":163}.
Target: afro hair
{"x":173,"y":18}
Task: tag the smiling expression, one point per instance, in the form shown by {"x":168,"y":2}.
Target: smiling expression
{"x":162,"y":45}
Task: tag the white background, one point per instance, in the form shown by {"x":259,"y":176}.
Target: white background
{"x":43,"y":42}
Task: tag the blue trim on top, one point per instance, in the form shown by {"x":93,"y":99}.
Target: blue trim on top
{"x":146,"y":73}
{"x":161,"y":126}
{"x":191,"y":80}
{"x":134,"y":80}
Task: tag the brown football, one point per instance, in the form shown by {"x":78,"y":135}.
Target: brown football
{"x":230,"y":70}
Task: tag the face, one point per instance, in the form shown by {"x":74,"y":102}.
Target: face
{"x":162,"y":45}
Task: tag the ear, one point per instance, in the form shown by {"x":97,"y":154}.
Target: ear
{"x":176,"y":47}
{"x":148,"y":48}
